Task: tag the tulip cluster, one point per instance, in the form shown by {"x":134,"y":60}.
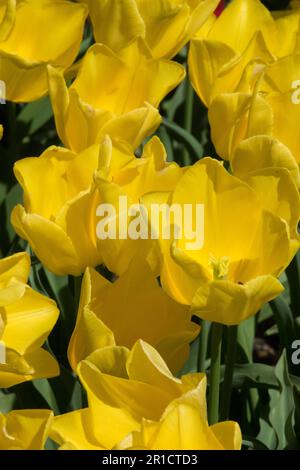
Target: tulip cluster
{"x":118,"y":320}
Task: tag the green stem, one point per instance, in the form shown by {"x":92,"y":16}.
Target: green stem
{"x":188,"y":116}
{"x":203,"y":343}
{"x":230,"y":360}
{"x":214,"y":384}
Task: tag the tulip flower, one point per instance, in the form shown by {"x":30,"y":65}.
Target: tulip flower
{"x":228,"y":57}
{"x":272,"y":109}
{"x":45,"y":221}
{"x":132,"y":307}
{"x":149,"y":173}
{"x":123,"y":387}
{"x":26,"y":319}
{"x":271,"y":170}
{"x":184,"y":426}
{"x":40,"y":33}
{"x":25,"y":429}
{"x":166,"y":26}
{"x":61,"y":229}
{"x":233,"y":275}
{"x":112,"y":94}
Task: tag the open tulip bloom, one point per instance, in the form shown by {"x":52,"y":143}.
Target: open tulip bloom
{"x":149,"y":235}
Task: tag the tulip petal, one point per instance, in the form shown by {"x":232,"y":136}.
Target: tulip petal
{"x":109,"y":18}
{"x":70,"y":429}
{"x":42,"y":233}
{"x":26,"y":430}
{"x":228,"y":303}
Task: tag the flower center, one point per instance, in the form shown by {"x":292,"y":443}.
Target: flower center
{"x":219,"y":267}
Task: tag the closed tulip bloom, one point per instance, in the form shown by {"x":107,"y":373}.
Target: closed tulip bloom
{"x":132,"y":307}
{"x":228,"y":57}
{"x":234,"y":273}
{"x":272,"y":109}
{"x":26,"y":320}
{"x":166,"y":26}
{"x":38,"y":33}
{"x":25,"y":429}
{"x":271,"y":170}
{"x":114,"y":94}
{"x":123,"y":387}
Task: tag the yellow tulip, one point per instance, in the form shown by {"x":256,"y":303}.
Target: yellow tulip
{"x":149,"y":173}
{"x":26,"y":319}
{"x":234,"y":273}
{"x":165,"y":25}
{"x":272,"y":109}
{"x":41,"y":32}
{"x":184,"y":426}
{"x":280,"y":88}
{"x":132,"y":307}
{"x":271,"y":170}
{"x":112,"y":94}
{"x":229,"y":55}
{"x":53,"y":221}
{"x":25,"y":429}
{"x":123,"y":387}
{"x":59,"y":226}
{"x":234,"y":117}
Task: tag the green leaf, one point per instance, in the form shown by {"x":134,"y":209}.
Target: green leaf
{"x":171,"y":106}
{"x":13,"y":197}
{"x":191,"y":364}
{"x":187,"y":139}
{"x":245,"y":338}
{"x":7,"y":401}
{"x":296,"y":393}
{"x":35,"y":115}
{"x":45,"y":390}
{"x":282,"y":406}
{"x":293,"y":276}
{"x":254,"y":376}
{"x":267,"y":435}
{"x":286,"y":326}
